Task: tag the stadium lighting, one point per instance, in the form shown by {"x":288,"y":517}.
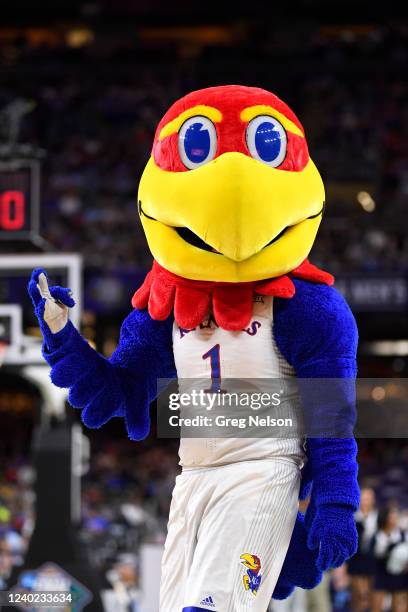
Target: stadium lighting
{"x":378,"y":394}
{"x":366,"y":201}
{"x":386,"y":348}
{"x":79,"y":37}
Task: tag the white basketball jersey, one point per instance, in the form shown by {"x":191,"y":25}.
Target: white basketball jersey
{"x":209,"y":352}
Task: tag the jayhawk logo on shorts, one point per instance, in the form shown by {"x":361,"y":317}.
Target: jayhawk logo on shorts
{"x":252,"y":578}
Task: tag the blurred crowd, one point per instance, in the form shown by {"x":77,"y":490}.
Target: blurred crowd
{"x":94,"y":116}
{"x":126,"y":497}
{"x":125,"y":503}
{"x":97,"y":125}
{"x":16,"y":513}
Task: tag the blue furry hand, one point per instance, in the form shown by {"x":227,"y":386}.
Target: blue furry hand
{"x":51,"y":305}
{"x":326,"y":539}
{"x":333,"y":535}
{"x":300,"y":565}
{"x":121,"y":386}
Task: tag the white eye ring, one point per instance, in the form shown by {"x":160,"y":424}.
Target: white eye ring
{"x":259,"y":145}
{"x":193,"y":150}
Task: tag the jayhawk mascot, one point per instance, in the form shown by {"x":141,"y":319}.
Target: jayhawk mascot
{"x":230,"y":203}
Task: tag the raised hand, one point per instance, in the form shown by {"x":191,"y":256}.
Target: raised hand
{"x":103,"y":388}
{"x":51,"y":304}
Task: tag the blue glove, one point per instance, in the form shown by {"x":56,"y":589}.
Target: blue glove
{"x":299,"y":568}
{"x":332,"y":534}
{"x":283,"y":588}
{"x":335,"y":498}
{"x":123,"y":385}
{"x":61,"y":295}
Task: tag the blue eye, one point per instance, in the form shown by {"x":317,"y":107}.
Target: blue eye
{"x":266,"y":140}
{"x":197,"y":142}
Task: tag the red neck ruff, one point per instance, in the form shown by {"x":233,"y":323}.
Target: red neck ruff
{"x":231,"y":303}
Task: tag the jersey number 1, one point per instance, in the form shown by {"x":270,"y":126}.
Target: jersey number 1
{"x":215,"y":364}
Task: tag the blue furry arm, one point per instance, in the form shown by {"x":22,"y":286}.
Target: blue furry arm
{"x":123,"y":385}
{"x":317,"y":334}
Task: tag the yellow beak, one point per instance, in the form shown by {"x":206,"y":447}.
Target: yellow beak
{"x":248,"y":561}
{"x":259,"y":221}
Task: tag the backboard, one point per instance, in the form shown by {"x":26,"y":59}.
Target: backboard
{"x":19,"y":334}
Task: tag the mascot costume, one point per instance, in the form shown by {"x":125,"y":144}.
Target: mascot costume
{"x":230,"y":203}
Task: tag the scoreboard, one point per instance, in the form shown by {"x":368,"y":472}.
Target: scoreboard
{"x":19,"y":199}
{"x":19,"y":230}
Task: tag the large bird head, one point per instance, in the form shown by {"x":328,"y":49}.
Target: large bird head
{"x":230,"y":192}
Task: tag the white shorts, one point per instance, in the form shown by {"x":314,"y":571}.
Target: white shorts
{"x":228,"y":534}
